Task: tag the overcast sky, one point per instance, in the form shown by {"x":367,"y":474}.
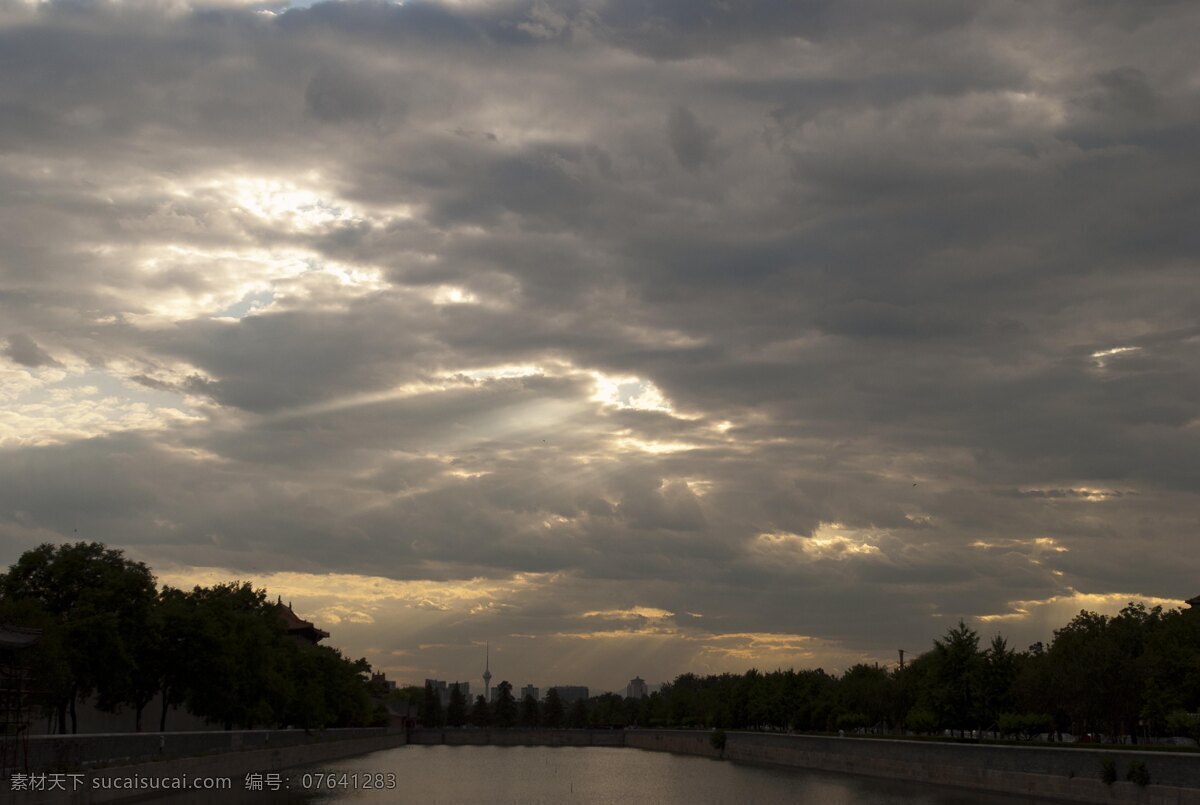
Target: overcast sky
{"x":634,"y":337}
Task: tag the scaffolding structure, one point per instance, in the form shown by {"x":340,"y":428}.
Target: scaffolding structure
{"x":16,"y":697}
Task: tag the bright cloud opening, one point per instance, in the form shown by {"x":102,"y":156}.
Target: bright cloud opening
{"x":829,"y":541}
{"x":633,"y":613}
{"x":628,"y":391}
{"x":1101,"y":357}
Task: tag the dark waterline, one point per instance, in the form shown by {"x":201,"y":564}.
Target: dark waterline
{"x":460,"y":775}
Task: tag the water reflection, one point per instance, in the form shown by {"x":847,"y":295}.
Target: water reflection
{"x":519,"y":774}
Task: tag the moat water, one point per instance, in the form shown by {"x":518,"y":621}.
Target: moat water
{"x":458,"y":775}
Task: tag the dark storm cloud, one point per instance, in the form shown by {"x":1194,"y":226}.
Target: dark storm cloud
{"x":692,"y":142}
{"x":265,"y":363}
{"x":1125,"y":92}
{"x":25,"y":351}
{"x":672,"y":29}
{"x":828,"y":319}
{"x":335,"y":96}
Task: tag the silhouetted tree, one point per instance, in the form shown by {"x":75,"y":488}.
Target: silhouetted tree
{"x":456,"y":710}
{"x":481,"y":713}
{"x":578,"y":717}
{"x":634,"y":708}
{"x":242,"y":674}
{"x":956,"y":678}
{"x":504,"y":711}
{"x":552,"y":713}
{"x":178,"y":630}
{"x":100,"y":604}
{"x":344,"y":684}
{"x":998,"y":672}
{"x":1100,"y":674}
{"x":864,"y":694}
{"x":1171,"y":666}
{"x":220,"y":650}
{"x":431,"y":707}
{"x":607,"y":710}
{"x":530,"y":716}
{"x":1033,"y":688}
{"x":1080,"y":673}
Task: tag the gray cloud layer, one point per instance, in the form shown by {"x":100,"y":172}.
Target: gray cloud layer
{"x":828,"y":319}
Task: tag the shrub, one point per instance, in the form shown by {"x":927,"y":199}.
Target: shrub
{"x":1108,"y":771}
{"x":717,"y":739}
{"x":851,"y":721}
{"x":1185,"y":724}
{"x":1138,"y":773}
{"x":921,"y":720}
{"x":1025,"y":725}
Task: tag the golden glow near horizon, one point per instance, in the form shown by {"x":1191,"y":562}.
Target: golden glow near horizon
{"x":759,"y":646}
{"x":633,"y":613}
{"x":713,"y":651}
{"x":366,"y":590}
{"x":414,"y":609}
{"x":1059,"y":609}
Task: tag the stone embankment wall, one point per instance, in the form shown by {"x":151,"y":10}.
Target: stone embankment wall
{"x":517,"y":737}
{"x":231,"y":764}
{"x":1071,"y":775}
{"x":70,"y":752}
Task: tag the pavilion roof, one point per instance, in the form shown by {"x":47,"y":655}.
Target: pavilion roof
{"x":296,"y":625}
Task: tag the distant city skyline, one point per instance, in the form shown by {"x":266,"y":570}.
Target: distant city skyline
{"x":521,"y":686}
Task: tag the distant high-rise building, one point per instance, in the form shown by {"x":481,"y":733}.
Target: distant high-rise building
{"x":380,"y":678}
{"x":529,"y":690}
{"x":636,"y":689}
{"x":570,"y":693}
{"x":444,"y":689}
{"x":439,"y":687}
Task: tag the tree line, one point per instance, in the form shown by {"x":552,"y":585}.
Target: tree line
{"x":1129,"y":676}
{"x":109,"y":634}
{"x":505,"y":711}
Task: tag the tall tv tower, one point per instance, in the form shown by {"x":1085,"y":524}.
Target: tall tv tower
{"x":487,"y":672}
